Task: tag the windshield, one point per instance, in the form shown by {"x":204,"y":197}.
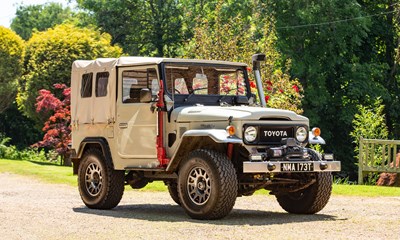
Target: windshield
{"x":191,"y":81}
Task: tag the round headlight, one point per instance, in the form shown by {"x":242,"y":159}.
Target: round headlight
{"x":301,"y":134}
{"x":250,"y":134}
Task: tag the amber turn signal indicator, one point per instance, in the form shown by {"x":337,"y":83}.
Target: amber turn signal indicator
{"x":316,"y":132}
{"x":230,"y":130}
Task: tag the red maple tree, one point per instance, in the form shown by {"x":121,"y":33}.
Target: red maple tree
{"x":57,"y":128}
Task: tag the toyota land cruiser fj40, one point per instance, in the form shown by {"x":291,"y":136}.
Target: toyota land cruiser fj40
{"x":137,"y":120}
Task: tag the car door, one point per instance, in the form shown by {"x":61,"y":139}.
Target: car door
{"x":136,"y":122}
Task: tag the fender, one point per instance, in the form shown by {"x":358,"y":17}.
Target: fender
{"x":315,"y":140}
{"x":100,"y":141}
{"x":217,"y":135}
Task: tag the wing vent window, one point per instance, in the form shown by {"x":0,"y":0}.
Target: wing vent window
{"x":86,"y":86}
{"x":101,"y":84}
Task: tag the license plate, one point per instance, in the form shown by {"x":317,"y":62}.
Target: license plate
{"x":297,"y":167}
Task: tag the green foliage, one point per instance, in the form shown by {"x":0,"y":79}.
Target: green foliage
{"x":281,"y":91}
{"x":141,"y":27}
{"x":20,"y":129}
{"x":317,"y":147}
{"x":232,"y":39}
{"x":12,"y":153}
{"x":11,"y":55}
{"x":343,"y":58}
{"x":370,"y":122}
{"x":49,"y":56}
{"x":31,"y":18}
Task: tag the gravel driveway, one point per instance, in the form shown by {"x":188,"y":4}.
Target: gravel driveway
{"x":30,"y":209}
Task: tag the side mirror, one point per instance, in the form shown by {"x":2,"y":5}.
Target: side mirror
{"x":145,"y":95}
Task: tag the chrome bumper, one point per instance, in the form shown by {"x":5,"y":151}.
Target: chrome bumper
{"x":282,"y":166}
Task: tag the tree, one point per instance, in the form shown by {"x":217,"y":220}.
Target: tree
{"x":11,"y":55}
{"x":49,"y":56}
{"x":32,"y":18}
{"x":342,"y":52}
{"x":141,"y":27}
{"x":231,"y":39}
{"x":57,"y":128}
{"x":20,"y":129}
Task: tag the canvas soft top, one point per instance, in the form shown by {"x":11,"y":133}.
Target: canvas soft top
{"x":102,"y":109}
{"x":131,"y":61}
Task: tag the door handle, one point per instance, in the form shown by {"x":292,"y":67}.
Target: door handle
{"x":123,"y":125}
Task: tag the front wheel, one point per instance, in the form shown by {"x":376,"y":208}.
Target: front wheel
{"x":310,"y":200}
{"x":100,"y":186}
{"x":207,"y":185}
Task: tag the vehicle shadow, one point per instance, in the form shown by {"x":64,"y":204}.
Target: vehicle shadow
{"x":174,"y":213}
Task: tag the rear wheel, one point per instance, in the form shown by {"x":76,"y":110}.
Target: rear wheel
{"x":100,"y":186}
{"x":207,"y":185}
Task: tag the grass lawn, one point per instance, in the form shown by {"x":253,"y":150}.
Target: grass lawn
{"x":51,"y":173}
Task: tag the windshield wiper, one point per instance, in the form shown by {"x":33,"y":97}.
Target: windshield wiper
{"x":226,"y":94}
{"x":192,"y":93}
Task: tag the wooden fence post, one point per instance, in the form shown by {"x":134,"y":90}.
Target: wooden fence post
{"x":360,"y":162}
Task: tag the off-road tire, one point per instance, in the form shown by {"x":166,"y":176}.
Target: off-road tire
{"x":207,"y":185}
{"x":100,"y":186}
{"x":310,"y":200}
{"x":173,"y":192}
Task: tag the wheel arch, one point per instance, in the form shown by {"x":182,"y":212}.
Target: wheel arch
{"x":196,"y":139}
{"x":92,"y":142}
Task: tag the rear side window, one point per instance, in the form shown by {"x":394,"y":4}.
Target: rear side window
{"x":86,"y":86}
{"x":101,"y":84}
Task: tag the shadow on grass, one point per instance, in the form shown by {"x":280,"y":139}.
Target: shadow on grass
{"x":45,"y":163}
{"x":174,"y":213}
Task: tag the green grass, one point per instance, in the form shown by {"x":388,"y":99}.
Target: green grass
{"x":365,"y":191}
{"x":52,"y":173}
{"x":44,"y":171}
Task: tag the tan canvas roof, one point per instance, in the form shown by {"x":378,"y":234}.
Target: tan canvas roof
{"x":130,"y":61}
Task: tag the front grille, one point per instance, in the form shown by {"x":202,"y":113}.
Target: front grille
{"x":274,"y":134}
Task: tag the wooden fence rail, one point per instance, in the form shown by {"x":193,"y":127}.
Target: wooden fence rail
{"x":377,"y":155}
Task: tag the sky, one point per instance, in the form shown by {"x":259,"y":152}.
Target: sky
{"x":9,"y":7}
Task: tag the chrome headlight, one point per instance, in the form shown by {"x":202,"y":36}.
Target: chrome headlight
{"x":301,"y":134}
{"x":250,"y":134}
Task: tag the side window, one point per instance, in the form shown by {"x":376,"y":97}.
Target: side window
{"x":101,"y":84}
{"x":135,"y":80}
{"x":86,"y":86}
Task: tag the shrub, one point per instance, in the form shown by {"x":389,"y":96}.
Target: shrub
{"x":370,"y":123}
{"x":12,"y":153}
{"x":11,"y":55}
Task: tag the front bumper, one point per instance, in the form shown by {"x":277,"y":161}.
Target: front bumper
{"x":291,"y":166}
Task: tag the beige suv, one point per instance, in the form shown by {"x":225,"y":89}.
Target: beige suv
{"x":196,"y":126}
